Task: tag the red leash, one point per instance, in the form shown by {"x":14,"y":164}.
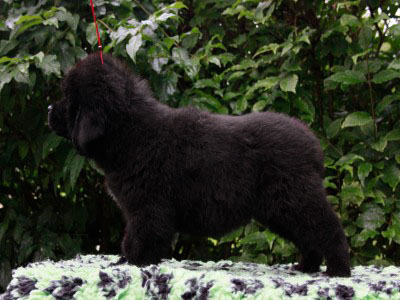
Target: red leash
{"x":97,"y":32}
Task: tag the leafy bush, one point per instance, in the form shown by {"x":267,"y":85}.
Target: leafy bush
{"x":333,"y":64}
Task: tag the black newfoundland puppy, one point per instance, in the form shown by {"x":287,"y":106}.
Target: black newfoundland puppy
{"x":190,"y":171}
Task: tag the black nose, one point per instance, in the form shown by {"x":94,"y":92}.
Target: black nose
{"x":50,"y":108}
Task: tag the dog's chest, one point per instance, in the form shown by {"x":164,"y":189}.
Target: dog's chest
{"x":113,"y":194}
{"x":110,"y":192}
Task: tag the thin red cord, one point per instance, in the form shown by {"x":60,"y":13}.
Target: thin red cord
{"x":97,"y":32}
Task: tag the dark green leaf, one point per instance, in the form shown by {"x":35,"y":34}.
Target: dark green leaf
{"x":23,"y":148}
{"x":75,"y":168}
{"x":363,"y":171}
{"x":91,"y":36}
{"x":288,"y":84}
{"x":333,"y":128}
{"x":348,"y":159}
{"x":393,"y":135}
{"x":385,"y":75}
{"x":241,"y":104}
{"x":202,"y":83}
{"x":349,"y":20}
{"x":177,"y":5}
{"x":372,"y":218}
{"x":365,"y":37}
{"x":359,"y":240}
{"x":50,"y":65}
{"x":253,"y":238}
{"x":358,"y":118}
{"x":379,"y":144}
{"x":232,"y":235}
{"x":133,"y":46}
{"x":51,"y":142}
{"x":391,"y":175}
{"x":386,"y":101}
{"x":260,"y":105}
{"x":352,"y":194}
{"x":348,"y":77}
{"x":392,"y":233}
{"x":395,"y":64}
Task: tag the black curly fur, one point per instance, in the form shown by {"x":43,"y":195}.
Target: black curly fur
{"x":191,"y":171}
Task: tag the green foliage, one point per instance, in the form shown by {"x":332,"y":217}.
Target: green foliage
{"x":333,"y":64}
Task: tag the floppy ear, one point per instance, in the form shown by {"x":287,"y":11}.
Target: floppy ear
{"x":88,"y":128}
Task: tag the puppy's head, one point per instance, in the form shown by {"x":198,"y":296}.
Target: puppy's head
{"x":92,"y":92}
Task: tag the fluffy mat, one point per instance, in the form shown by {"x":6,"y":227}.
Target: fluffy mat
{"x":109,"y":277}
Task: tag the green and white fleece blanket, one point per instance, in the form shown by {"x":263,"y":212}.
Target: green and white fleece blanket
{"x":110,"y":277}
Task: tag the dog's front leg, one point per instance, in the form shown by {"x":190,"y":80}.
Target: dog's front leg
{"x":148,"y":236}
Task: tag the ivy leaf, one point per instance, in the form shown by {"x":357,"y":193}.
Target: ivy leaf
{"x":271,"y":47}
{"x":286,"y":48}
{"x":26,"y":18}
{"x":214,"y":60}
{"x":23,"y":148}
{"x":168,"y":42}
{"x":241,"y":104}
{"x":91,"y":35}
{"x":165,"y":16}
{"x":365,"y":37}
{"x":158,"y":63}
{"x":259,"y":13}
{"x":202,"y":83}
{"x":133,"y":46}
{"x":71,"y":20}
{"x":306,"y":108}
{"x":49,"y":65}
{"x":51,"y":142}
{"x":348,"y":77}
{"x":393,"y":135}
{"x":265,"y":84}
{"x":288,"y":84}
{"x":385,"y":75}
{"x":395,"y":64}
{"x":38,"y":57}
{"x":352,"y":194}
{"x":392,"y":232}
{"x":180,"y":55}
{"x":348,"y":159}
{"x":253,"y":238}
{"x":391,"y":175}
{"x":359,"y":240}
{"x":95,"y":167}
{"x":177,"y":5}
{"x":5,"y":78}
{"x":372,"y":218}
{"x":349,"y":20}
{"x":25,"y":27}
{"x":235,"y":75}
{"x":260,"y":105}
{"x":386,"y":101}
{"x":357,"y":118}
{"x":379,"y":144}
{"x":363,"y":171}
{"x":22,"y":73}
{"x":51,"y":21}
{"x":75,"y":169}
{"x":333,"y":128}
{"x":231,"y":236}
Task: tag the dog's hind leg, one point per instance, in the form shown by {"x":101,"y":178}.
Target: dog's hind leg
{"x":298,"y":211}
{"x":311,"y":259}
